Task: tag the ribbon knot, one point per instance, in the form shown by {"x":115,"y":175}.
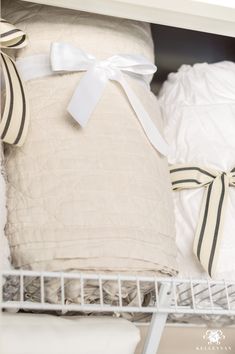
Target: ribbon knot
{"x":105,"y":67}
{"x":65,"y":57}
{"x":208,"y":233}
{"x":15,"y":117}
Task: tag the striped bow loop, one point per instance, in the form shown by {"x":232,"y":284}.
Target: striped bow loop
{"x":15,"y":118}
{"x":208,"y":233}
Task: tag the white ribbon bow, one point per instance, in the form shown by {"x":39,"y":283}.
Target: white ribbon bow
{"x":64,"y":57}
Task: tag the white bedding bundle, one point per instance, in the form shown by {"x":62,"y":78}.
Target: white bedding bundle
{"x":95,"y":198}
{"x":56,"y":335}
{"x":198,"y":105}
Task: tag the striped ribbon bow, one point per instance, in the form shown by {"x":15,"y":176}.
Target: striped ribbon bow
{"x":209,"y":229}
{"x":15,"y":118}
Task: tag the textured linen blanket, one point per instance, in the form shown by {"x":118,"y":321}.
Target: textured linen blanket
{"x":87,"y":199}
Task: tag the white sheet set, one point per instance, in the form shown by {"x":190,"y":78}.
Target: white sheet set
{"x":47,"y":334}
{"x":198,"y":106}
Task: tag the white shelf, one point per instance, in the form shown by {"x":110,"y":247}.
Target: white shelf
{"x":186,"y":296}
{"x":214,"y":16}
{"x":169,"y":296}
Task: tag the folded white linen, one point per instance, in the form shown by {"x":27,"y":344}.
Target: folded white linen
{"x":198,"y":106}
{"x":37,"y":334}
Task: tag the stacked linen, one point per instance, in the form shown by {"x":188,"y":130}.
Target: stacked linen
{"x":198,"y":104}
{"x":57,"y":335}
{"x":86,"y":199}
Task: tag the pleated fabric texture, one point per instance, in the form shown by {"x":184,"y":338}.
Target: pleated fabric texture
{"x":96,"y":198}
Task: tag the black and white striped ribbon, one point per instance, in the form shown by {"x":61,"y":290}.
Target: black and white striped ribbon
{"x":209,"y":228}
{"x":15,"y":118}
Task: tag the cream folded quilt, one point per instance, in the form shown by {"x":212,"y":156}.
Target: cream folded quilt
{"x":95,"y":198}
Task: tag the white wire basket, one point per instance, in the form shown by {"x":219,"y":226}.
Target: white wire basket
{"x":169,"y":295}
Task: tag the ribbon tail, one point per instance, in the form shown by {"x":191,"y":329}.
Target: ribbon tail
{"x":87,"y":95}
{"x":34,"y":67}
{"x":15,"y":118}
{"x":148,"y":126}
{"x":209,"y":230}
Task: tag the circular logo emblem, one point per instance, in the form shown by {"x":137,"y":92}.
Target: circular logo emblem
{"x":214,"y":336}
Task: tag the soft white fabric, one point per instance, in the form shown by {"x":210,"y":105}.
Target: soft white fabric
{"x":47,"y":334}
{"x":198,"y":105}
